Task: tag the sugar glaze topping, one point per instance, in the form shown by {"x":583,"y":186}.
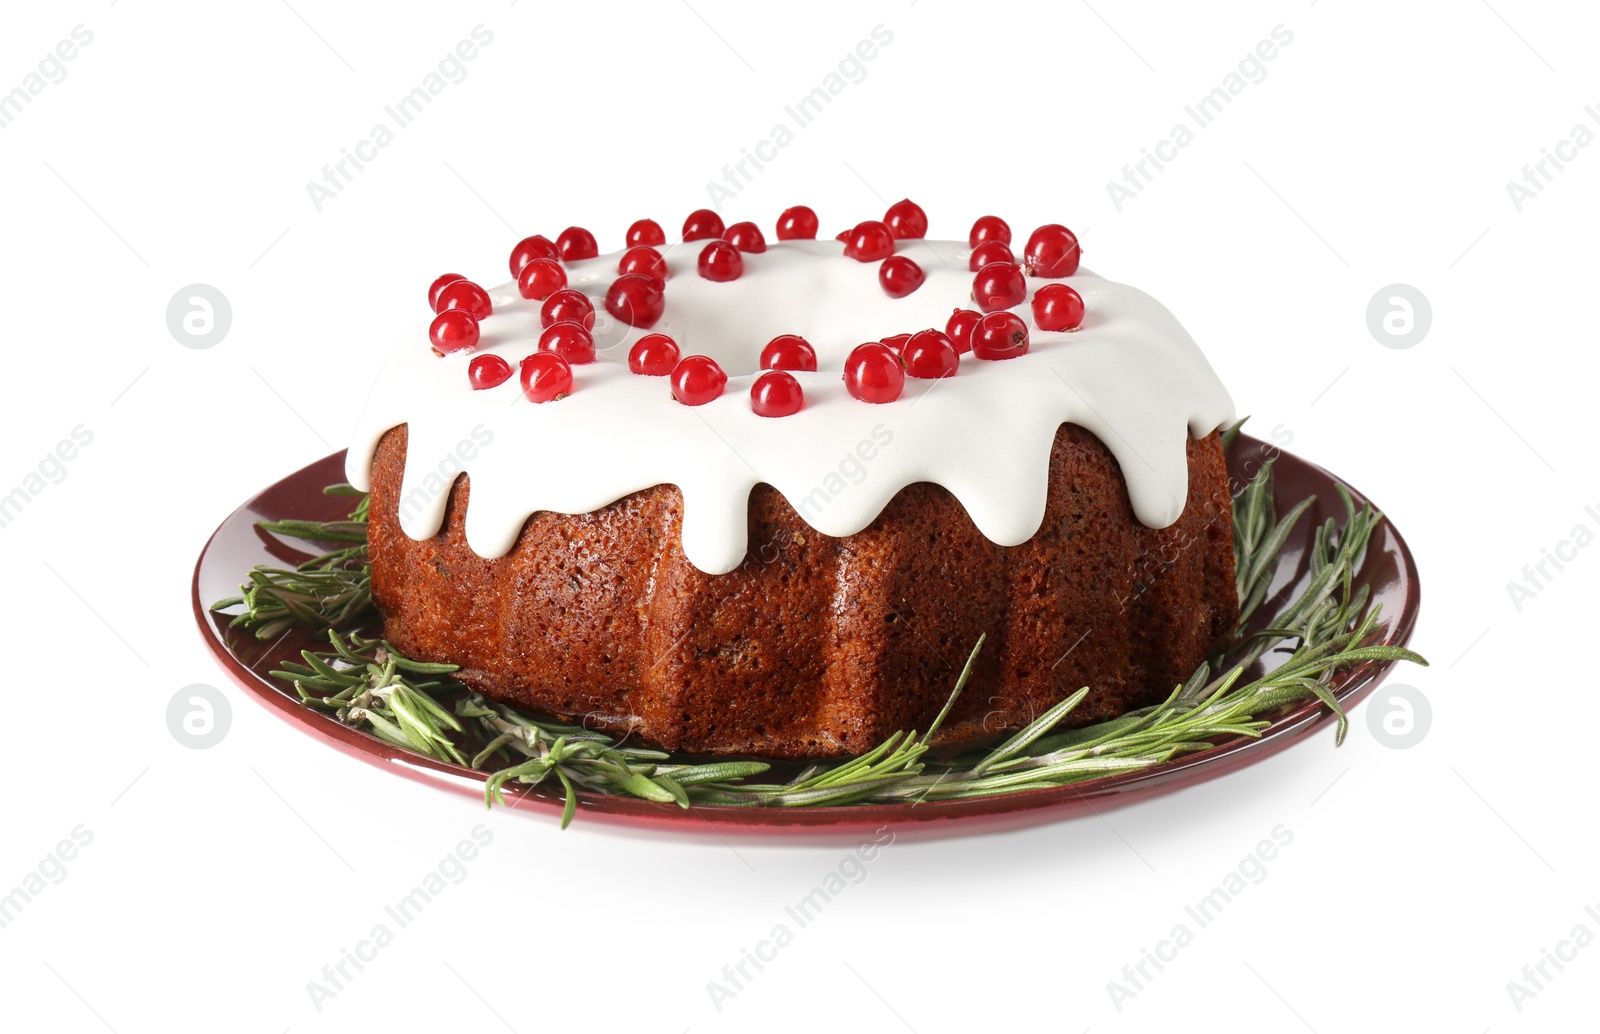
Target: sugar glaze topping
{"x":1131,"y":376}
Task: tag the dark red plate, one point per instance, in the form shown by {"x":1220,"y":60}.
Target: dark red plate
{"x":1388,"y":571}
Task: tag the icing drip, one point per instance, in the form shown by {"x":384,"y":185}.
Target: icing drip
{"x":1132,"y":376}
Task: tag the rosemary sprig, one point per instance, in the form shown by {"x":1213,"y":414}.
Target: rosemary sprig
{"x":331,"y":590}
{"x":1325,"y":628}
{"x":365,"y":683}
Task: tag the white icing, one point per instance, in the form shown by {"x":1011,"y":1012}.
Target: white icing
{"x":1132,"y":376}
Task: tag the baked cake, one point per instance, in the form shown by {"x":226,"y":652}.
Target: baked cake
{"x":711,"y":495}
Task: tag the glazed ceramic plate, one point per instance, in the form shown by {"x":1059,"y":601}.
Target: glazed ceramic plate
{"x":1388,"y":571}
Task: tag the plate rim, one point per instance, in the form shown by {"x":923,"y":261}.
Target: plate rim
{"x":1026,"y":807}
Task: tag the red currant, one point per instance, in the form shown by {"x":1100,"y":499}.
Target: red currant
{"x":930,"y":354}
{"x":453,"y":330}
{"x":637,"y":300}
{"x":1000,"y":335}
{"x":702,"y":224}
{"x":906,"y":219}
{"x":746,"y":237}
{"x":797,"y":224}
{"x":546,"y":377}
{"x":576,"y":243}
{"x":720,"y":261}
{"x":896,"y":342}
{"x":464,"y":294}
{"x":869,"y":242}
{"x":989,"y":228}
{"x":1052,"y":252}
{"x":641,"y":258}
{"x":438,"y":285}
{"x":959,"y":327}
{"x":488,"y":371}
{"x":697,"y":380}
{"x":899,"y":276}
{"x":776,"y":393}
{"x":567,"y":304}
{"x":654,"y":355}
{"x":1057,"y":307}
{"x":541,"y":278}
{"x":789,"y":352}
{"x":873,"y":373}
{"x":571,"y":341}
{"x":645,"y":231}
{"x":999,"y":285}
{"x":987,"y":252}
{"x":530,"y":248}
{"x":842,"y":235}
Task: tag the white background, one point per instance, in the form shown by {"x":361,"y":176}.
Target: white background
{"x":1376,"y":151}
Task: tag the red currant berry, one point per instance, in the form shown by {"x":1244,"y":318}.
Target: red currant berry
{"x":641,"y":258}
{"x":541,"y":278}
{"x":453,"y":330}
{"x":842,"y":235}
{"x":906,"y":219}
{"x":464,"y":294}
{"x":720,"y":261}
{"x":530,"y":248}
{"x":439,"y":285}
{"x":746,"y":237}
{"x":999,"y":285}
{"x":987,"y":252}
{"x":1052,"y":252}
{"x":776,"y":393}
{"x":1057,"y":307}
{"x":645,"y":231}
{"x":930,"y":354}
{"x":567,"y":304}
{"x":703,"y":224}
{"x":1000,"y":335}
{"x":897,"y":342}
{"x":989,"y":228}
{"x":637,"y":300}
{"x":797,"y":224}
{"x":576,"y":243}
{"x":546,"y":377}
{"x":869,"y":242}
{"x":654,"y":355}
{"x":899,"y":276}
{"x":488,"y":371}
{"x":789,"y":352}
{"x":959,"y":327}
{"x":697,"y":380}
{"x":571,"y":341}
{"x":873,"y":373}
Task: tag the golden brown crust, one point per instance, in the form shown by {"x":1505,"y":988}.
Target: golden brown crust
{"x":818,"y":646}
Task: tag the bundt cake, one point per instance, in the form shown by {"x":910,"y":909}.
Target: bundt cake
{"x":740,"y":501}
